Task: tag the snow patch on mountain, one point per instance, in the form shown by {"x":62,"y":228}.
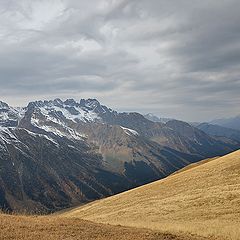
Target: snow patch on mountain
{"x":6,"y":136}
{"x":63,"y":132}
{"x":43,"y":136}
{"x":129,"y":131}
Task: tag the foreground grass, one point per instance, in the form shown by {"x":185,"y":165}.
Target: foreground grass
{"x":61,"y":228}
{"x":202,"y":200}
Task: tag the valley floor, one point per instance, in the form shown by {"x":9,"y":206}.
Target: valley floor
{"x":60,"y":228}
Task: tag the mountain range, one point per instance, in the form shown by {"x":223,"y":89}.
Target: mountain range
{"x":57,"y":154}
{"x":223,"y":128}
{"x":219,"y":131}
{"x":233,"y":122}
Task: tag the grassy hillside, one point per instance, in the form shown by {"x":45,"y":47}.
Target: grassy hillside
{"x":193,"y":165}
{"x":203,"y":200}
{"x":61,"y":228}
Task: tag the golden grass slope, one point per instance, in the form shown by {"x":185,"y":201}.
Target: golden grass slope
{"x":203,"y":200}
{"x":61,"y":228}
{"x":193,"y":165}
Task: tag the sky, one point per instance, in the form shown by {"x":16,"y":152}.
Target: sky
{"x":178,"y":58}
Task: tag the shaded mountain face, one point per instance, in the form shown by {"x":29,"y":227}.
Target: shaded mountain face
{"x":43,"y":173}
{"x":57,"y":154}
{"x":233,"y":122}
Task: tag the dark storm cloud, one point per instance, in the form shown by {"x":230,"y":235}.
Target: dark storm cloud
{"x":175,"y":58}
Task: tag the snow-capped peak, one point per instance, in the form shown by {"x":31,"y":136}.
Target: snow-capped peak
{"x":70,"y":102}
{"x":9,"y":116}
{"x":56,"y":116}
{"x":59,"y":111}
{"x":94,"y":105}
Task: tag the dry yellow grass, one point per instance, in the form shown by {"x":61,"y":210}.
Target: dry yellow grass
{"x":193,"y":165}
{"x":203,"y":200}
{"x":61,"y":228}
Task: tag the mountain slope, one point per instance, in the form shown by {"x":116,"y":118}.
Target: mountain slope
{"x":186,"y":138}
{"x":43,"y":173}
{"x":46,"y":173}
{"x":175,"y":134}
{"x":203,"y":200}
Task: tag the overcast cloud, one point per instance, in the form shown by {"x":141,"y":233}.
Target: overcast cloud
{"x":178,"y":58}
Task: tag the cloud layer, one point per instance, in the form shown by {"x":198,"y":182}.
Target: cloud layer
{"x":178,"y":58}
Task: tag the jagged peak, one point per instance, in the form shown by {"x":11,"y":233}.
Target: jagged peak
{"x":90,"y":102}
{"x":58,"y":101}
{"x":94,"y":105}
{"x":4,"y":105}
{"x":35,"y":104}
{"x":70,"y":102}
